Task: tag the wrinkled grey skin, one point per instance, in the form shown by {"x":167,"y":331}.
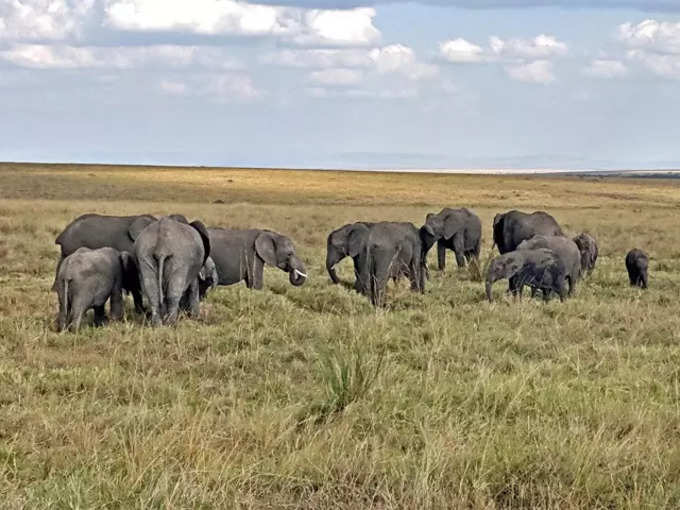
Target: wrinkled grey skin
{"x":459,"y":230}
{"x":207,"y":281}
{"x":588,"y":248}
{"x":565,"y":249}
{"x":348,"y":241}
{"x":637,"y":264}
{"x":170,"y":254}
{"x":540,"y":269}
{"x":390,"y":248}
{"x":513,"y":227}
{"x":240,"y":255}
{"x":87,"y":279}
{"x":98,"y":231}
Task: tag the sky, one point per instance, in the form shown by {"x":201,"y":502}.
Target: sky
{"x":429,"y":84}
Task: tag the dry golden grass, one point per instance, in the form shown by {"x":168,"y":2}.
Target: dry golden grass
{"x":309,"y":398}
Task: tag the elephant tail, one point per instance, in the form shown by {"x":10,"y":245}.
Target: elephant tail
{"x":161,"y":262}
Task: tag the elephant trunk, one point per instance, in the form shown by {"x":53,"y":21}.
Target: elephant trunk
{"x":332,"y":258}
{"x":297,"y":273}
{"x":489,"y":293}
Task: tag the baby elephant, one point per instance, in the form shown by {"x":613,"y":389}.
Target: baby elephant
{"x":87,"y":279}
{"x":637,"y":263}
{"x":540,"y":269}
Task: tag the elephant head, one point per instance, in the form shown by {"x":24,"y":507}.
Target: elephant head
{"x":498,"y":232}
{"x":277,"y":250}
{"x":207,"y":277}
{"x":347,"y":241}
{"x":504,"y":266}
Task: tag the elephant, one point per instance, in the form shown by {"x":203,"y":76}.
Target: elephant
{"x":207,"y":281}
{"x":241,"y":255}
{"x":513,"y":227}
{"x":459,"y":230}
{"x":390,"y":248}
{"x":98,"y":231}
{"x":348,"y":241}
{"x":637,"y":264}
{"x":565,"y":249}
{"x":170,"y":255}
{"x":541,"y":269}
{"x":588,"y":248}
{"x":87,"y":279}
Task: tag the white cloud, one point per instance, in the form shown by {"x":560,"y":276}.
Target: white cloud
{"x":538,"y":71}
{"x":39,"y":56}
{"x":604,"y":68}
{"x":320,"y":58}
{"x":663,"y":65}
{"x":42,"y":19}
{"x":652,"y":35}
{"x":461,"y":51}
{"x":175,"y":88}
{"x":337,"y":77}
{"x":354,"y":93}
{"x":397,"y":58}
{"x":231,"y":17}
{"x":540,"y":47}
{"x":223,"y":88}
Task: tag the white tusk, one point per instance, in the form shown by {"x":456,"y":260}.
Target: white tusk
{"x":300,"y":274}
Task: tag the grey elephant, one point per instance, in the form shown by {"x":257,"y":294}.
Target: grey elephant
{"x":170,"y":255}
{"x":637,"y":264}
{"x":88,"y":279}
{"x":98,"y":231}
{"x":513,"y":227}
{"x":240,"y":255}
{"x":390,"y":248}
{"x":589,"y":251}
{"x":541,"y":269}
{"x":207,"y":281}
{"x":459,"y":230}
{"x":565,"y":249}
{"x":348,"y":241}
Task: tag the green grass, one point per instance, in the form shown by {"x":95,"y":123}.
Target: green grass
{"x":308,"y":397}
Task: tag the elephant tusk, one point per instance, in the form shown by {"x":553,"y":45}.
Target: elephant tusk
{"x":298,"y":273}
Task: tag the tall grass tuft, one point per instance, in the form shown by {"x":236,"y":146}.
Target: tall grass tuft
{"x":347,"y":377}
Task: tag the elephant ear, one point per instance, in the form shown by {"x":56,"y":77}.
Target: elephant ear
{"x":451,"y":226}
{"x":203,"y":232}
{"x":356,"y":240}
{"x":265,"y":247}
{"x":138,"y":225}
{"x":179,"y":218}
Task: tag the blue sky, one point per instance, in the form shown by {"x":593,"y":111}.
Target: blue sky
{"x":334,"y":84}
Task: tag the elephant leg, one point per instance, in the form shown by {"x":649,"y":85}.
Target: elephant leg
{"x":459,"y":250}
{"x":64,"y":313}
{"x":258,"y":273}
{"x":149,"y":281}
{"x":441,"y":255}
{"x":77,"y":312}
{"x":99,"y":316}
{"x":194,"y":300}
{"x":139,"y":302}
{"x":117,"y":303}
{"x":173,"y":297}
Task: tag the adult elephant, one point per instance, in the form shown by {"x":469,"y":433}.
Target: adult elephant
{"x":459,"y":230}
{"x":390,"y":248}
{"x":170,"y":255}
{"x":513,"y":227}
{"x":96,"y":231}
{"x":565,"y":249}
{"x":240,"y":255}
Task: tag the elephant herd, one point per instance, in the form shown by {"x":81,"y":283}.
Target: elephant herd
{"x":169,"y":264}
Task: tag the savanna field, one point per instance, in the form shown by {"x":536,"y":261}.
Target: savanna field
{"x":310,"y":398}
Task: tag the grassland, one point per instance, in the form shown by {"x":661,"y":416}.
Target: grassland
{"x":309,"y":398}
